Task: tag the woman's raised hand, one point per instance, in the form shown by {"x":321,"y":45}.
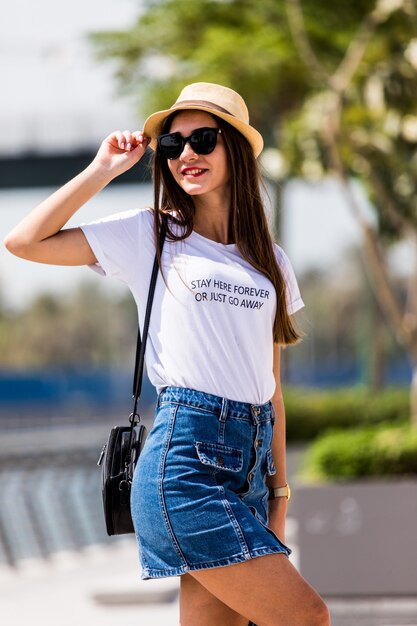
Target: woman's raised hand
{"x":120,"y":151}
{"x":41,"y":235}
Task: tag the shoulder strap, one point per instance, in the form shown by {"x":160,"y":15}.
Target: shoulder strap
{"x":141,"y":343}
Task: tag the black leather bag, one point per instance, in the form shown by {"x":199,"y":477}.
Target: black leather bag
{"x":121,"y":452}
{"x":117,"y":475}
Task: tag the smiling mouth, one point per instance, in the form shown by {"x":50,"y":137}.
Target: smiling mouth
{"x":193,"y":171}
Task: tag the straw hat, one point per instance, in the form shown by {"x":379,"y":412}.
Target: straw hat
{"x":216,"y":99}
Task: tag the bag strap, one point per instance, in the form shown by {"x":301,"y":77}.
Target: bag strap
{"x":141,"y":343}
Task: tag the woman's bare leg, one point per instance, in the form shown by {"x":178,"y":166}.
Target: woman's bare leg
{"x":267,"y":590}
{"x":198,"y":607}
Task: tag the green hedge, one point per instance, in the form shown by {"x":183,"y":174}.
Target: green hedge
{"x":383,"y":450}
{"x":310,"y":413}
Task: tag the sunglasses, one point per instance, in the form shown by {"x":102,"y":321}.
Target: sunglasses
{"x":201,"y":140}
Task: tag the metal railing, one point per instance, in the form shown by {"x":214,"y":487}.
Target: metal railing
{"x":50,"y":489}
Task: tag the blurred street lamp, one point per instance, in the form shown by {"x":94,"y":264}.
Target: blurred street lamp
{"x":275,"y":170}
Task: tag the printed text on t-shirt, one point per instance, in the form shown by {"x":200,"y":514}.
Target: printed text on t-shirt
{"x":213,"y":290}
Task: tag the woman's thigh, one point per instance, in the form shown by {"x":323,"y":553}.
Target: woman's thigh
{"x":199,"y":607}
{"x":267,"y":590}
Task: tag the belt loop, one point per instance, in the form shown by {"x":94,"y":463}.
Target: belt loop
{"x":225,"y":408}
{"x":222,"y":420}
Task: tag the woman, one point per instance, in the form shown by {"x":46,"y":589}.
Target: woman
{"x":207,"y":501}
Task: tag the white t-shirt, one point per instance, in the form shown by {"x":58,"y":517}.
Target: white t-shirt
{"x":211,"y":327}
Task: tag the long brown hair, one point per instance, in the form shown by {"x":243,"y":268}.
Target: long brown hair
{"x":248,"y":227}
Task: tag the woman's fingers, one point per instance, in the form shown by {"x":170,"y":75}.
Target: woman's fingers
{"x":121,"y":150}
{"x":140,"y":138}
{"x":128,"y":140}
{"x":118,"y":138}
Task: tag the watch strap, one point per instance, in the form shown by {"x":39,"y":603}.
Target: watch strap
{"x":280,"y":492}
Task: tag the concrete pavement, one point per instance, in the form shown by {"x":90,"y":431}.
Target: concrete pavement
{"x":97,"y":587}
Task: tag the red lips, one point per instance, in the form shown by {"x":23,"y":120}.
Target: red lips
{"x":193,"y":171}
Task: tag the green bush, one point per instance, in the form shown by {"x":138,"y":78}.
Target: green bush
{"x":383,"y":450}
{"x":310,"y":413}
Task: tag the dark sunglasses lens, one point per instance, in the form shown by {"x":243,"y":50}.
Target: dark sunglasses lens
{"x":170,"y":145}
{"x":203,"y":141}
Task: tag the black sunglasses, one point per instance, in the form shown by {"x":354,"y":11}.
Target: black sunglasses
{"x":201,"y":140}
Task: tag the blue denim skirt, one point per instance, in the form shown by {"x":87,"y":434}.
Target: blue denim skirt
{"x":199,"y":497}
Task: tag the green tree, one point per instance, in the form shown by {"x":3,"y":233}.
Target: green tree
{"x":333,"y":87}
{"x":360,"y":121}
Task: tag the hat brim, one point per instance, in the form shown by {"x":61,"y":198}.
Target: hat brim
{"x":153,"y":125}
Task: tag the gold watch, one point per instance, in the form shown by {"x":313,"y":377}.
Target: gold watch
{"x":280,"y":492}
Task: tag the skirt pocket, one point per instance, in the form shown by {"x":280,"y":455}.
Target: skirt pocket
{"x":219,"y":456}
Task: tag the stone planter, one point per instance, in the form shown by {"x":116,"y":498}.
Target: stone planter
{"x":358,"y":537}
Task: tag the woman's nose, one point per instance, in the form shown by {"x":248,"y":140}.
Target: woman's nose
{"x":187,"y":152}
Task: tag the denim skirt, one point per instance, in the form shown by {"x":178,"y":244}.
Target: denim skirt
{"x":199,"y":497}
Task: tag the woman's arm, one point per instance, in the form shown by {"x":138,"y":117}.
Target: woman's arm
{"x":40,"y":236}
{"x":277,"y":508}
